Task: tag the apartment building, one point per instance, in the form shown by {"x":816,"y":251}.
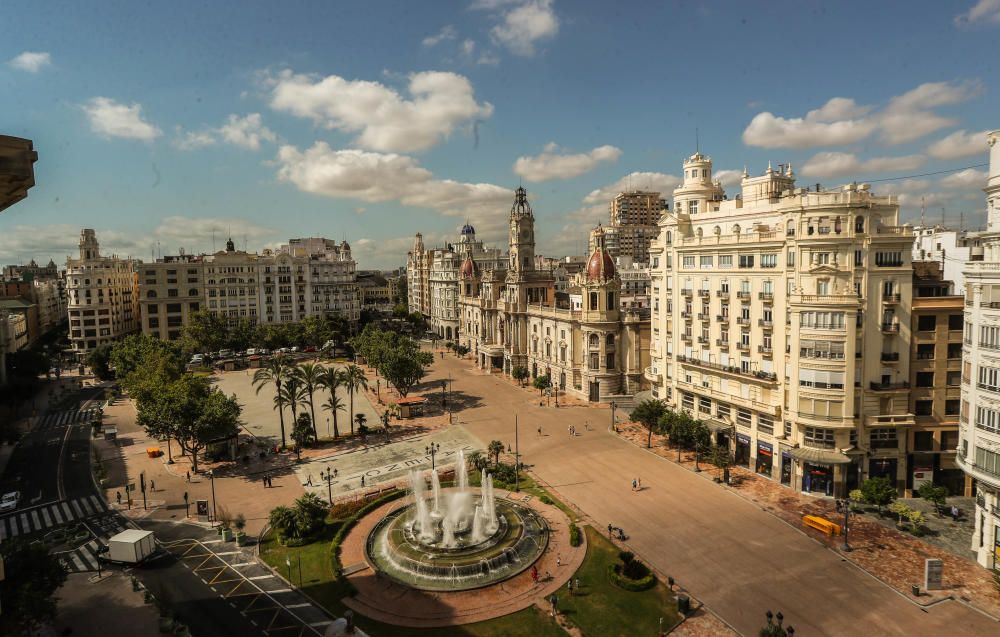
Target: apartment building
{"x":31,"y":271}
{"x":102,"y":296}
{"x":443,"y":290}
{"x":583,"y":340}
{"x":17,"y":156}
{"x":771,"y":313}
{"x":634,"y":216}
{"x":950,"y":249}
{"x":330,"y":277}
{"x":979,"y":420}
{"x":170,"y":291}
{"x":418,"y":271}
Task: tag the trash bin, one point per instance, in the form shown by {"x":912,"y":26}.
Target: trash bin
{"x":915,"y":590}
{"x":683,"y":604}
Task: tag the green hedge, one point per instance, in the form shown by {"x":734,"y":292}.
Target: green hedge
{"x":634,"y":585}
{"x":347,"y":524}
{"x":575,"y":537}
{"x":544,"y":499}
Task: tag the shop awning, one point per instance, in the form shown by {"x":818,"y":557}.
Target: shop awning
{"x":717,"y":425}
{"x":819,"y":456}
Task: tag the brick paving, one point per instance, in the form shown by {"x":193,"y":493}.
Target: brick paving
{"x":893,"y":557}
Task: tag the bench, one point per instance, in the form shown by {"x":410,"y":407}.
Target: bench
{"x":821,"y":524}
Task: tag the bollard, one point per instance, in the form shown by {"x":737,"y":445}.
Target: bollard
{"x":683,"y":604}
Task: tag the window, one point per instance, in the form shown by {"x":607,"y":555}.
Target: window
{"x":609,"y":361}
{"x":595,"y":361}
{"x":746,"y":260}
{"x":611,"y":301}
{"x":765,"y":424}
{"x":989,"y":337}
{"x":687,"y":402}
{"x":821,"y":349}
{"x":791,"y":258}
{"x":883,"y":438}
{"x":154,"y":322}
{"x":822,"y":320}
{"x":955,"y":322}
{"x":923,"y":441}
{"x":593,"y":300}
{"x":769,"y":260}
{"x":725,"y":261}
{"x":924,"y":407}
{"x":706,"y":262}
{"x":722,"y":410}
{"x":925,"y":379}
{"x":889,"y":259}
{"x":743,"y":417}
{"x":687,"y":261}
{"x":788,"y":429}
{"x":953,"y":379}
{"x":926,"y":323}
{"x":989,"y":378}
{"x":705,"y":404}
{"x":822,"y":258}
{"x":988,"y":419}
{"x":818,"y":437}
{"x":954,"y":350}
{"x":988,"y":461}
{"x":925,"y":351}
{"x":693,"y":207}
{"x":951,"y":406}
{"x":859,"y":258}
{"x":823,"y":287}
{"x":152,"y":309}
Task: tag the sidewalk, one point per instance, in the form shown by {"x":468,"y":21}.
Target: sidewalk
{"x":894,"y":558}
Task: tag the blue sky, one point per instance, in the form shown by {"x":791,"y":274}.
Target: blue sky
{"x":165,"y":122}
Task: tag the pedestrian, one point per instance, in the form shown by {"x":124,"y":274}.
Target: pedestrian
{"x":152,"y":486}
{"x":539,"y":432}
{"x":336,"y":472}
{"x":309,"y":479}
{"x":954,"y":513}
{"x":638,"y":483}
{"x":362,"y":481}
{"x":633,"y":484}
{"x":576,"y":585}
{"x":558,"y":560}
{"x":569,"y":586}
{"x":610,"y":529}
{"x":118,"y":494}
{"x":189,"y":476}
{"x":555,"y":602}
{"x":569,"y":428}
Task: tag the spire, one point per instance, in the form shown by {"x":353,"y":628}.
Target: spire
{"x":521,"y":205}
{"x":789,"y":172}
{"x":769,"y":169}
{"x":746,"y":173}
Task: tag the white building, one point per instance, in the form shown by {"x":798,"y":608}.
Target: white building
{"x":102,"y":296}
{"x":951,"y":248}
{"x":979,"y":421}
{"x":781,"y":319}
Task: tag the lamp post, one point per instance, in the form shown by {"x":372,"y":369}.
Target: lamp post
{"x":432,"y":450}
{"x":385,"y":425}
{"x":517,"y":459}
{"x":211,"y":477}
{"x":613,"y":406}
{"x":846,"y":504}
{"x":328,"y":476}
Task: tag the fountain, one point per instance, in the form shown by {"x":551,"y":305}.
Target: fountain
{"x":457,"y":538}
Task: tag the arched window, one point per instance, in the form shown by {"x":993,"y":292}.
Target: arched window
{"x":670,"y":237}
{"x":736,"y":228}
{"x":151,"y":294}
{"x":610,"y":340}
{"x":859,"y":224}
{"x":595,"y":341}
{"x":192,"y":292}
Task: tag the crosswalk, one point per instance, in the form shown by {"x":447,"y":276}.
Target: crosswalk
{"x":56,"y":419}
{"x":84,"y":558}
{"x":50,"y":516}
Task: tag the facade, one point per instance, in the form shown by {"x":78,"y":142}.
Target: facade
{"x":376,"y":291}
{"x":636,"y":283}
{"x":17,"y":176}
{"x":772,"y":314}
{"x":330,"y":277}
{"x":979,"y":421}
{"x":952,"y":249}
{"x":513,"y":317}
{"x":443,"y":289}
{"x":418,"y":271}
{"x":31,"y":271}
{"x":102,"y":296}
{"x":634,"y":217}
{"x":13,"y":331}
{"x":170,"y":291}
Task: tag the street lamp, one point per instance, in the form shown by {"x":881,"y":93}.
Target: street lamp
{"x":328,"y":476}
{"x":432,"y":450}
{"x":613,"y":406}
{"x":385,"y":425}
{"x":846,"y":505}
{"x":211,"y":477}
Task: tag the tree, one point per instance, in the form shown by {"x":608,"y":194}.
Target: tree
{"x":520,"y":374}
{"x":360,"y":420}
{"x":541,"y":383}
{"x":294,"y":394}
{"x":276,"y":372}
{"x":284,"y":521}
{"x":878,"y":491}
{"x":200,"y":414}
{"x":936,"y":495}
{"x":333,"y":405}
{"x":399,"y":311}
{"x":309,"y":375}
{"x":462,"y":350}
{"x":721,"y":458}
{"x":353,"y":379}
{"x":494,"y":449}
{"x":98,"y":361}
{"x":331,"y":378}
{"x":130,"y":353}
{"x":27,"y":595}
{"x":205,"y":332}
{"x":303,"y":432}
{"x":649,"y":412}
{"x":316,"y":330}
{"x":403,"y":367}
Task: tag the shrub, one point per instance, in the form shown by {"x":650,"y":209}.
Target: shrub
{"x":878,"y":491}
{"x":575,"y":537}
{"x":934,"y":494}
{"x":545,"y":499}
{"x":901,"y":510}
{"x":626,"y":583}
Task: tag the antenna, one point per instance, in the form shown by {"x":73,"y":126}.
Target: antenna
{"x":213,"y":239}
{"x":697,"y":142}
{"x":922,"y":210}
{"x":942,"y":216}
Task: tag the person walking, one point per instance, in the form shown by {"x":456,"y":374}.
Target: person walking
{"x":539,"y":432}
{"x":189,"y":476}
{"x":576,"y":585}
{"x":309,"y":479}
{"x":118,"y":494}
{"x":569,"y":586}
{"x":558,"y":560}
{"x":555,"y":601}
{"x":611,"y":529}
{"x":152,"y":486}
{"x":633,"y":484}
{"x":638,"y":483}
{"x":362,"y":480}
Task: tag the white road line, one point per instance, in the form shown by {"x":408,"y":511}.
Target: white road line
{"x":14,"y":531}
{"x":76,"y":561}
{"x":210,"y":541}
{"x":76,"y":507}
{"x":67,"y":511}
{"x":98,"y":503}
{"x":45,"y":516}
{"x":322,"y":623}
{"x":242,"y":564}
{"x":280,"y":590}
{"x":259,"y":577}
{"x":298,"y":605}
{"x":89,"y":558}
{"x":38,"y":521}
{"x":3,"y":530}
{"x":56,"y":514}
{"x":229,"y":553}
{"x":25,"y":524}
{"x":86,"y":505}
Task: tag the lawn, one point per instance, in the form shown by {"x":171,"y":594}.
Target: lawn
{"x":601,"y":608}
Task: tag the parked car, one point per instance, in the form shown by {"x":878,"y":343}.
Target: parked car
{"x":197,"y":359}
{"x":225,"y":353}
{"x":284,"y":350}
{"x":9,"y":501}
{"x":252,"y":352}
{"x":309,"y":348}
{"x":295,"y":348}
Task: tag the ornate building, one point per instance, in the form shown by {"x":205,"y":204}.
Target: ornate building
{"x":587,"y":345}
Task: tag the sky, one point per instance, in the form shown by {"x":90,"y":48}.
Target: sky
{"x":168,"y":125}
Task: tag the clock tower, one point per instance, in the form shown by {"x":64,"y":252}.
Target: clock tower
{"x":522,"y":234}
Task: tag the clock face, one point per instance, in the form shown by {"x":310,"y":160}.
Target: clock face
{"x":525,"y":234}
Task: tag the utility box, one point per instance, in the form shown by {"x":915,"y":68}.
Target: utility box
{"x":131,"y":546}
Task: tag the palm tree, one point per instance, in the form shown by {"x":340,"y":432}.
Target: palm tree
{"x":309,"y":374}
{"x":361,"y":419}
{"x":354,"y":379}
{"x":495,"y":449}
{"x":331,"y":378}
{"x":276,"y":371}
{"x":333,"y":405}
{"x":294,"y":394}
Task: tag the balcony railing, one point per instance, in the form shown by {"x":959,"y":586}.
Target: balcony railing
{"x":686,"y":338}
{"x":722,"y":318}
{"x":702,"y":316}
{"x":705,"y":293}
{"x":890,"y":298}
{"x":740,"y":345}
{"x":890,"y":357}
{"x":722,"y":294}
{"x":686,"y":315}
{"x":890,"y":386}
{"x":703,"y":340}
{"x":766,"y":351}
{"x":721,"y":343}
{"x":769,"y":376}
{"x":890,"y":328}
{"x":742,"y":320}
{"x":767,"y":297}
{"x":743,"y":295}
{"x":765,"y":324}
{"x":687,"y":291}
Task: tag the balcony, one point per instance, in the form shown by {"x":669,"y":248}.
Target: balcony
{"x":730,"y":369}
{"x":743,"y":295}
{"x":704,"y":293}
{"x":890,"y":357}
{"x":890,"y":299}
{"x":651,"y":374}
{"x":702,"y":316}
{"x":767,"y":297}
{"x":722,"y":318}
{"x":740,"y":345}
{"x":686,"y":338}
{"x":890,"y":420}
{"x":722,"y":294}
{"x":742,"y":320}
{"x":766,"y":351}
{"x":721,"y":343}
{"x":703,"y":340}
{"x":687,"y":292}
{"x":890,"y":328}
{"x":686,"y":315}
{"x":890,"y":386}
{"x":767,"y":325}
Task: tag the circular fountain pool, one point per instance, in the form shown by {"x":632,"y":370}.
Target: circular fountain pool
{"x":456,"y":539}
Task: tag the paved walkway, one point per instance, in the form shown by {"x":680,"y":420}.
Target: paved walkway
{"x":738,"y":559}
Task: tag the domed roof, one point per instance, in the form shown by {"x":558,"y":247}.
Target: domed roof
{"x":600,"y":266}
{"x":469,"y":268}
{"x":344,"y":245}
{"x":468,"y":229}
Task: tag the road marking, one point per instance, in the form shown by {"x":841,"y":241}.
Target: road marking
{"x":45,"y":516}
{"x":14,"y":531}
{"x":86,"y":505}
{"x":76,"y":561}
{"x":56,"y":514}
{"x":88,"y":557}
{"x":322,"y":623}
{"x":211,"y":541}
{"x":280,"y":590}
{"x":25,"y":524}
{"x":98,"y":503}
{"x":59,"y":468}
{"x":298,"y":605}
{"x":76,"y":507}
{"x":259,"y":577}
{"x":3,"y":531}
{"x":68,"y":511}
{"x":230,"y":553}
{"x":38,"y":521}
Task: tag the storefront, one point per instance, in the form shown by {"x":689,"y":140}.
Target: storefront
{"x":817,"y":478}
{"x":786,"y":468}
{"x":743,"y":450}
{"x":818,"y":474}
{"x":765,"y":458}
{"x":883,"y":468}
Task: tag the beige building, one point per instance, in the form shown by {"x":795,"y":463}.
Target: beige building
{"x":634,"y":216}
{"x":102,"y":296}
{"x":330,"y":277}
{"x":587,"y":345}
{"x":170,"y":291}
{"x":418,"y":272}
{"x":771,"y":316}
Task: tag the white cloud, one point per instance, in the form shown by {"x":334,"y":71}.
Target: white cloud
{"x":969,"y":178}
{"x":553,"y":164}
{"x":377,"y":177}
{"x":525,"y":25}
{"x":834,"y":164}
{"x":384,"y":119}
{"x":959,"y":144}
{"x":660,"y":182}
{"x":488,"y":59}
{"x":841,"y":121}
{"x":114,"y":119}
{"x":31,"y":61}
{"x":468,"y":48}
{"x":246,"y":132}
{"x":983,"y":12}
{"x":447,"y":32}
{"x":728,"y":177}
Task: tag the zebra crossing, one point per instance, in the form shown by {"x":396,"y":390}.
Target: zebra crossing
{"x":84,"y":558}
{"x":56,"y":419}
{"x":49,"y":516}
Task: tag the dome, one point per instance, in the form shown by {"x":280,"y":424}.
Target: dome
{"x":600,"y":266}
{"x":345,"y":245}
{"x":469,"y":268}
{"x":468,"y":229}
